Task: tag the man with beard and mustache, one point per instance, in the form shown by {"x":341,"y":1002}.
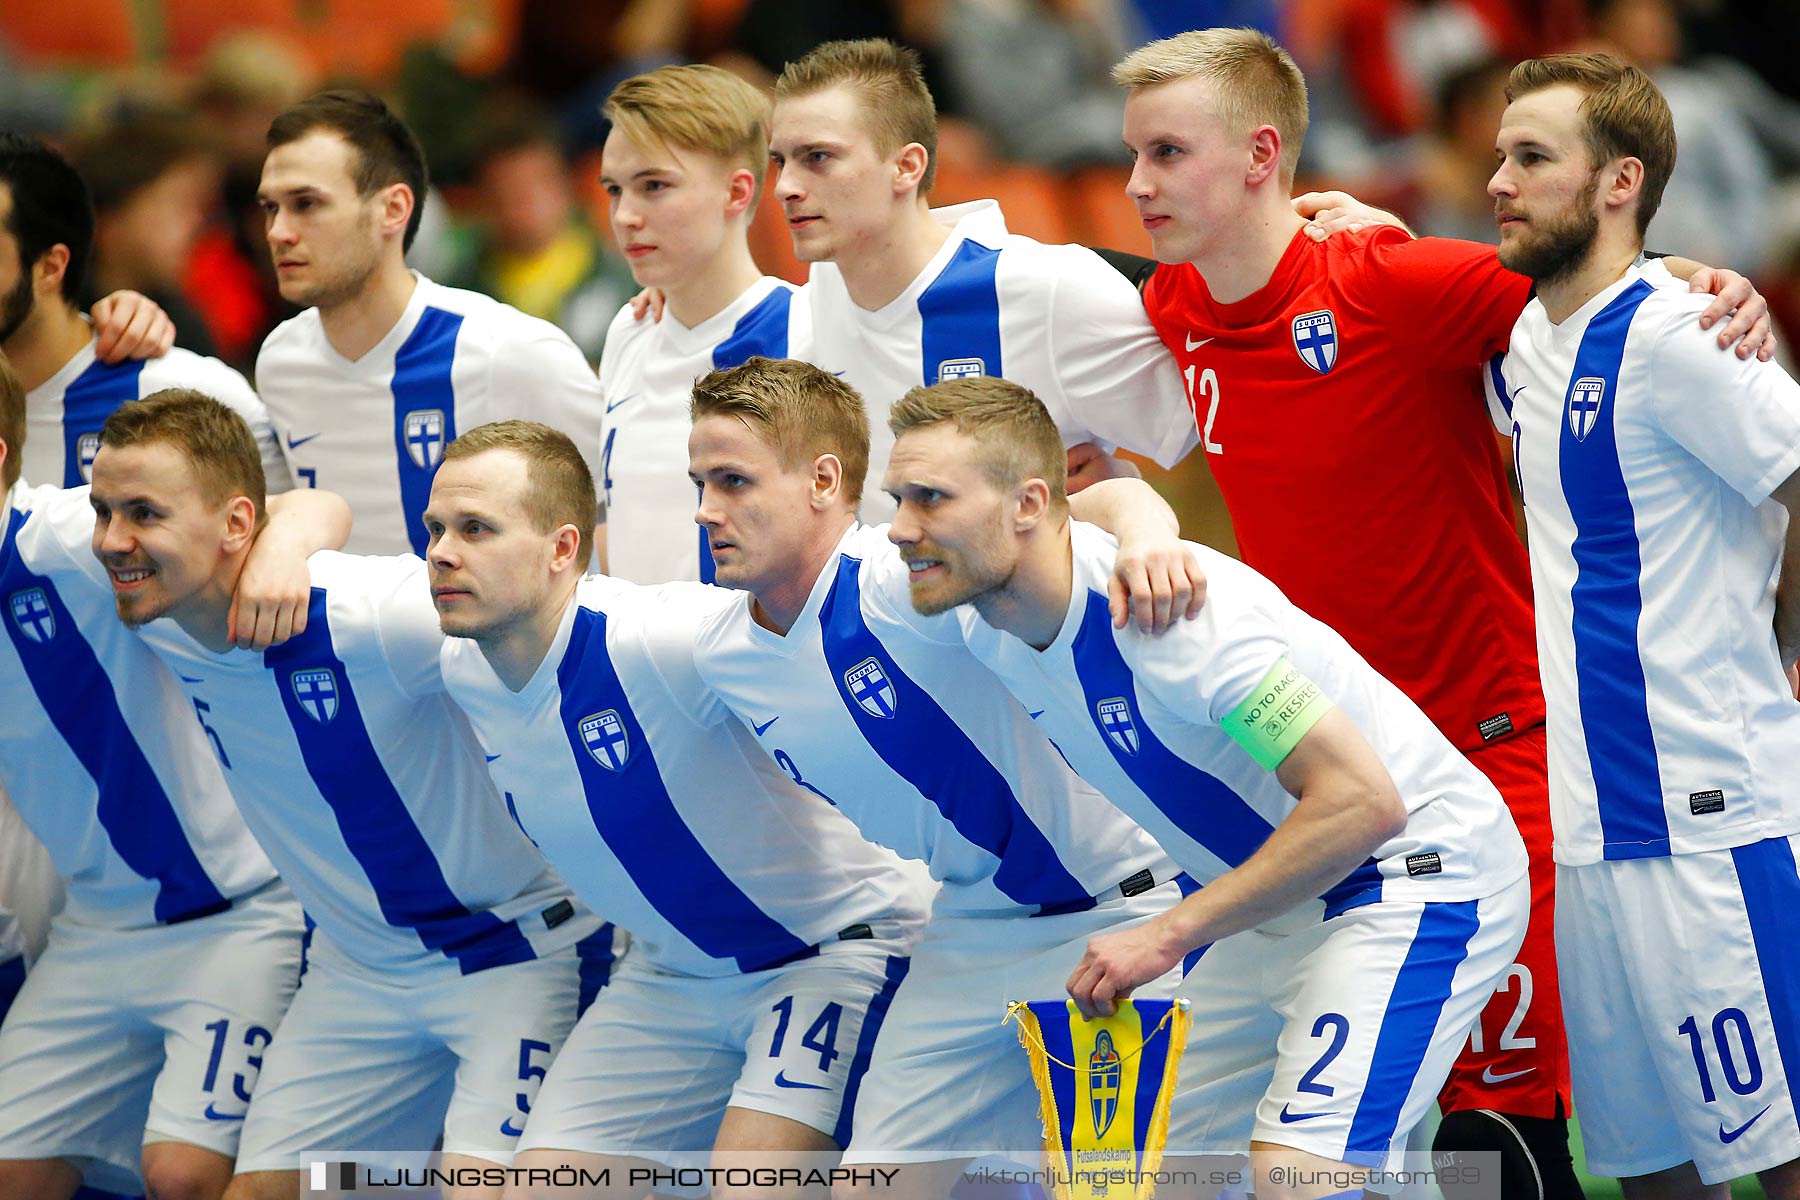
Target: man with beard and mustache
{"x":372,"y":382}
{"x":1662,"y":485}
{"x":1336,"y":387}
{"x":46,"y":242}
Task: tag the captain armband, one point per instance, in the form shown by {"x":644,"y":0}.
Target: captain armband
{"x":1279,"y":712}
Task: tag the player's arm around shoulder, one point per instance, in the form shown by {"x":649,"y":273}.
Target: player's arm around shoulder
{"x":274,"y":590}
{"x":1156,"y":577}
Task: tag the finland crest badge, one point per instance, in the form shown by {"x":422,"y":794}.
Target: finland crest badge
{"x":424,"y":432}
{"x":1316,"y":340}
{"x":961,"y":368}
{"x":603,"y":733}
{"x":869,"y":687}
{"x":1114,"y":718}
{"x":1584,"y":405}
{"x":31,"y":613}
{"x":86,"y":446}
{"x":316,"y":692}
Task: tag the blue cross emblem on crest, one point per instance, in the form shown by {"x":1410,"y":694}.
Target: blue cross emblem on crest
{"x":1115,"y":720}
{"x":316,"y":691}
{"x":604,"y":736}
{"x":86,"y":446}
{"x":1315,"y":337}
{"x":425,"y":437}
{"x":31,"y":613}
{"x":1584,"y":405}
{"x":1104,"y":1073}
{"x":961,"y":368}
{"x":871,"y":689}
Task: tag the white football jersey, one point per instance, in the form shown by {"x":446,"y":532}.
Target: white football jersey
{"x":1145,"y":719}
{"x":365,"y":785}
{"x":681,"y":832}
{"x":374,"y":430}
{"x":647,"y":373}
{"x":63,"y":415}
{"x":885,"y":714}
{"x":99,"y":750}
{"x":1055,"y":319}
{"x":1646,"y":457}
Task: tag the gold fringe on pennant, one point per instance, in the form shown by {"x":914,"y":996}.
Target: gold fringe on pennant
{"x":1031,"y":1036}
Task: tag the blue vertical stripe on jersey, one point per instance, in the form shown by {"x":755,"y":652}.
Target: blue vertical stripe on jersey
{"x":1608,"y":603}
{"x":637,"y":819}
{"x":761,"y":331}
{"x":959,"y":314}
{"x":377,"y":827}
{"x":94,"y":396}
{"x":922,"y":745}
{"x":1415,"y":1006}
{"x":873,"y":1016}
{"x":1497,"y":377}
{"x":1188,"y":885}
{"x":1201,"y":805}
{"x":1361,"y":886}
{"x":422,"y":384}
{"x":77,"y":695}
{"x":595,"y":955}
{"x":1770,"y":881}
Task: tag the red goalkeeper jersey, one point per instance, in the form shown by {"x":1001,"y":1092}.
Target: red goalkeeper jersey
{"x":1341,"y":410}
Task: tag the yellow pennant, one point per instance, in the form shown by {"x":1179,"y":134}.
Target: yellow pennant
{"x":1106,"y":1086}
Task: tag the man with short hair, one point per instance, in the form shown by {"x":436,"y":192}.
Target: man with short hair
{"x":1341,"y":376}
{"x":1373,"y":879}
{"x":882,"y":712}
{"x":143,"y":1088}
{"x":442,"y":971}
{"x":902,"y":294}
{"x":384,"y":367}
{"x":683,"y":172}
{"x":768,"y":936}
{"x":1669,"y":604}
{"x":46,"y":240}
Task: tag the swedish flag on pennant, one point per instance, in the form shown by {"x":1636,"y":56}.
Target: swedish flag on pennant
{"x":1106,"y":1086}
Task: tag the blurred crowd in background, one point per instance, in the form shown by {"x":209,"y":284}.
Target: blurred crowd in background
{"x":163,"y":105}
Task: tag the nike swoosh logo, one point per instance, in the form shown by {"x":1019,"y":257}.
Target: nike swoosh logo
{"x":781,"y":1080}
{"x":761,"y":729}
{"x":295,"y":443}
{"x":1728,"y":1138}
{"x":507,"y":1130}
{"x":213,"y":1114}
{"x":1488,"y":1076}
{"x":1514,"y":394}
{"x":1193,"y":345}
{"x":490,"y":757}
{"x":618,"y":404}
{"x":1288,"y":1118}
{"x":1040,"y":712}
{"x":189,"y":678}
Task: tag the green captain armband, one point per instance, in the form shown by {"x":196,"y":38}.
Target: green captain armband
{"x":1277,"y":715}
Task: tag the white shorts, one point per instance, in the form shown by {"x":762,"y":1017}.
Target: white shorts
{"x":948,"y":1079}
{"x":1681,"y":992}
{"x":124,"y":1037}
{"x":374,"y":1070}
{"x":1333,"y":1037}
{"x":652,"y":1066}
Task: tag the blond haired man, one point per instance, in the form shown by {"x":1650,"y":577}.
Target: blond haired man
{"x":1343,"y":376}
{"x":683,"y":170}
{"x":1669,"y":605}
{"x":903,"y":294}
{"x":1364,"y":887}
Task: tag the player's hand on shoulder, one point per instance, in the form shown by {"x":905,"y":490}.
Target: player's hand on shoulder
{"x":130,"y":325}
{"x":651,"y":300}
{"x":1327,"y":213}
{"x":1155,"y":583}
{"x":1116,"y":964}
{"x":1735,"y":297}
{"x":269,"y":606}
